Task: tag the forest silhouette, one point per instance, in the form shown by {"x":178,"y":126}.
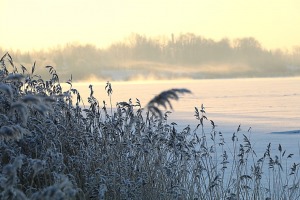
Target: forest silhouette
{"x":184,"y":56}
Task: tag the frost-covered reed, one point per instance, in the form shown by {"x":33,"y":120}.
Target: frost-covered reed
{"x":51,"y":148}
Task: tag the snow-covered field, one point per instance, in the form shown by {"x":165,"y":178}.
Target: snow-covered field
{"x":270,"y":106}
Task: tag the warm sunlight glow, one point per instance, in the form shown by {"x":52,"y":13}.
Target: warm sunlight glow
{"x":38,"y":24}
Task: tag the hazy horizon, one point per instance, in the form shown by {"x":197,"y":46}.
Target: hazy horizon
{"x":153,"y":40}
{"x":185,"y":56}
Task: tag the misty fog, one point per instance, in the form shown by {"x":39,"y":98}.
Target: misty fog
{"x":139,"y":57}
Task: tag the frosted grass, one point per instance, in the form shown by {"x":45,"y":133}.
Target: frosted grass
{"x":54,"y":145}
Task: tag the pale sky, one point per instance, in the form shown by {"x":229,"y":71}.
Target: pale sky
{"x":38,"y":24}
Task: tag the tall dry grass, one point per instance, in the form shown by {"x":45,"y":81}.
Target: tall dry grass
{"x":52,"y":148}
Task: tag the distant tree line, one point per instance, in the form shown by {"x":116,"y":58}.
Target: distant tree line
{"x":139,"y":54}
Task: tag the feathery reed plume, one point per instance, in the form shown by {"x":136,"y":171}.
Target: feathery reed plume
{"x":14,"y":132}
{"x":6,"y":89}
{"x":14,"y":77}
{"x":163,"y":99}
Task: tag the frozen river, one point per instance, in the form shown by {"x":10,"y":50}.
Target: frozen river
{"x":267,"y":105}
